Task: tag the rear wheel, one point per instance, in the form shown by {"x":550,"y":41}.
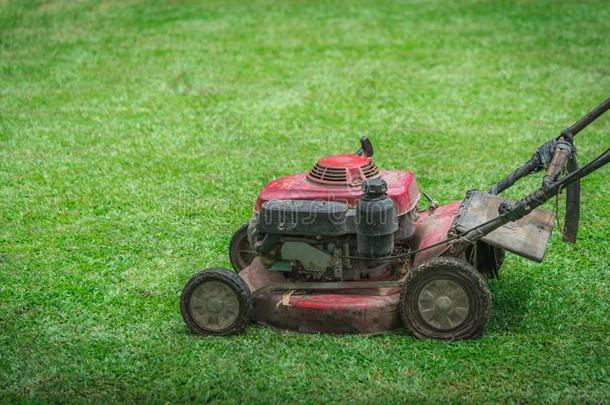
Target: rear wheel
{"x":445,"y":298}
{"x":216,"y":302}
{"x":486,"y":259}
{"x":240,"y":252}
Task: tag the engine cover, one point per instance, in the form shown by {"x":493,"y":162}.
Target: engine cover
{"x":402,"y":189}
{"x":310,"y":224}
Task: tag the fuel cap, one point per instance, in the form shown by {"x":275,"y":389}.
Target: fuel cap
{"x":375,"y":187}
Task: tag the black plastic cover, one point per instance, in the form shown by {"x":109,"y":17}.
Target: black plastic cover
{"x":376,"y":220}
{"x":304,"y":217}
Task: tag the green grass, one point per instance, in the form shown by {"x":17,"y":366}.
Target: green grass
{"x":135,"y":136}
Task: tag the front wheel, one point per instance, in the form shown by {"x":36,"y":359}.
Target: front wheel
{"x":445,"y":298}
{"x":216,"y":302}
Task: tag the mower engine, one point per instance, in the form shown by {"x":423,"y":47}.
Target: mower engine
{"x":334,"y":221}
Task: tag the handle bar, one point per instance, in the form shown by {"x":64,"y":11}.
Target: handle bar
{"x":579,"y":125}
{"x":544,"y":155}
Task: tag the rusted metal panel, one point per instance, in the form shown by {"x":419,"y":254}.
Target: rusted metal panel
{"x":256,"y":276}
{"x":430,"y":228}
{"x":353,"y":311}
{"x":329,"y":312}
{"x":527,"y":237}
{"x":331,"y":286}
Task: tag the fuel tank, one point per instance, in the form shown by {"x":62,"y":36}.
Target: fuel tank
{"x":339,"y":178}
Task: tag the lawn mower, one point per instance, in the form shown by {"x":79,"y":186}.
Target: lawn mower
{"x":344,"y":248}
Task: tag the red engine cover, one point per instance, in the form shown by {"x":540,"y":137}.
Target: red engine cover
{"x":339,"y":178}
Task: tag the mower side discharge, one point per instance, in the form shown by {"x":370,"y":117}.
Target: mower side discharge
{"x":344,"y":249}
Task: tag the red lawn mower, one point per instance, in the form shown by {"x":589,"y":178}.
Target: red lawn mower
{"x":344,"y":248}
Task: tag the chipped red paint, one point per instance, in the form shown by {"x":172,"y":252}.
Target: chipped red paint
{"x":329,"y":313}
{"x":431,"y":228}
{"x":334,"y":302}
{"x":366,"y":311}
{"x":402,"y":189}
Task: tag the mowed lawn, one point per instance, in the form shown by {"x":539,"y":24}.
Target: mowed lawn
{"x":134,"y":137}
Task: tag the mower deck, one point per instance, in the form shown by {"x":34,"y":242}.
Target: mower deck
{"x":354,"y":311}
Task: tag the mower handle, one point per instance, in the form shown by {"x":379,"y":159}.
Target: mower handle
{"x":563,"y":152}
{"x":512,"y":212}
{"x":582,"y":123}
{"x":544,"y":155}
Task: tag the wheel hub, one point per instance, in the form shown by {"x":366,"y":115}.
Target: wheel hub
{"x":443,"y":304}
{"x":214,"y":305}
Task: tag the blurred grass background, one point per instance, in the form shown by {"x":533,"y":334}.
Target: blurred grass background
{"x":134,"y":137}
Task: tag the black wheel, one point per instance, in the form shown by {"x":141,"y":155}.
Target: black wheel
{"x":487,"y":259}
{"x":216,"y":302}
{"x":445,"y":298}
{"x":240,"y":252}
